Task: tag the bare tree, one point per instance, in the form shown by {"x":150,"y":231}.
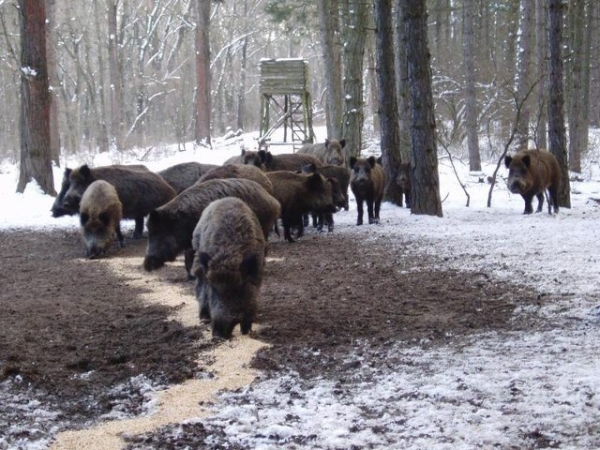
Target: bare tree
{"x":203,"y":104}
{"x":470,"y":92}
{"x":523,"y":81}
{"x":556,"y":118}
{"x":328,"y":18}
{"x":541,"y":138}
{"x":402,"y":94}
{"x":425,"y":177}
{"x":36,"y":157}
{"x":53,"y":80}
{"x":388,"y":108}
{"x":355,"y":21}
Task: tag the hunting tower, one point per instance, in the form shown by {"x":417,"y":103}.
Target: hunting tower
{"x":285,"y":101}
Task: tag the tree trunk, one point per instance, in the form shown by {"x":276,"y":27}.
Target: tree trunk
{"x":523,"y":78}
{"x":556,"y":118}
{"x":388,"y":108}
{"x":328,"y":14}
{"x":203,"y":106}
{"x":425,"y":178}
{"x":541,"y":136}
{"x":114,"y":73}
{"x":355,"y":21}
{"x":402,"y":94}
{"x":53,"y":81}
{"x":576,"y":114}
{"x":470,"y":94}
{"x":36,"y":159}
{"x":241,"y":103}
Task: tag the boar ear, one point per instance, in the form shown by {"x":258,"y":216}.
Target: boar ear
{"x":85,"y":171}
{"x":249,"y":266}
{"x":83,"y":218}
{"x":372,"y":161}
{"x":343,"y":143}
{"x":527,"y":161}
{"x":507,"y":161}
{"x":352,"y":161}
{"x":309,"y":168}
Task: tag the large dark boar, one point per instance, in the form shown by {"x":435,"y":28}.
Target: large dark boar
{"x":530,"y":173}
{"x":249,"y":172}
{"x":328,"y":152}
{"x":140,"y":191}
{"x":58,"y":207}
{"x":100,"y":216}
{"x":182,"y":176}
{"x":299,"y":194}
{"x":367,"y":182}
{"x":170,"y":227}
{"x":229,"y":257}
{"x":248,"y":157}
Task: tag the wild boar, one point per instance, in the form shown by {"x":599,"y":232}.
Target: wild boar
{"x":248,"y":157}
{"x":299,"y":194}
{"x":330,"y":152}
{"x":229,"y":257}
{"x":531,"y":173}
{"x":100,"y":216}
{"x":182,"y":176}
{"x":367,"y":182}
{"x":249,"y":172}
{"x":170,"y":227}
{"x":58,"y":207}
{"x":140,"y":191}
{"x":292,"y":162}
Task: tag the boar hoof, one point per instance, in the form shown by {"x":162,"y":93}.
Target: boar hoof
{"x":330,"y":228}
{"x":359,"y":222}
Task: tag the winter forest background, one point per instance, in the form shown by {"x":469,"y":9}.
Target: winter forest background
{"x":126,"y":73}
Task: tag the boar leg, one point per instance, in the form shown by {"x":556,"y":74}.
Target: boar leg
{"x":120,"y":235}
{"x":188,"y":257}
{"x":287,"y":235}
{"x":540,"y":198}
{"x":528,"y":199}
{"x":139,"y":227}
{"x":553,"y":198}
{"x":359,"y":207}
{"x":377,"y":208}
{"x":370,"y":210}
{"x":246,"y":324}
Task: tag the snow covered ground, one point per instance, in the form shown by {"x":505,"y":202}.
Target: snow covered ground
{"x":538,"y":389}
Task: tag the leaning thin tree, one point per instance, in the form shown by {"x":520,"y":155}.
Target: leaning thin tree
{"x":36,"y":158}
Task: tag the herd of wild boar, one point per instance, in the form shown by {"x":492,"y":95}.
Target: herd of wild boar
{"x":220,"y":217}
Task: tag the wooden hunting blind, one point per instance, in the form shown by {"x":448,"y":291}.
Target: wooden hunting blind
{"x":285,"y":101}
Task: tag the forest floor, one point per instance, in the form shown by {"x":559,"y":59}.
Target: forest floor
{"x":75,"y":335}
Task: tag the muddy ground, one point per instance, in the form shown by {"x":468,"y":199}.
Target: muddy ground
{"x":71,"y":330}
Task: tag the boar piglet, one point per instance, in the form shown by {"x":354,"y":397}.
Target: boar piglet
{"x":367,"y":182}
{"x":229,"y":256}
{"x":531,"y":173}
{"x":100,"y":217}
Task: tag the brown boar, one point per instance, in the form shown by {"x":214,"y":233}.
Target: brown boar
{"x":170,"y":227}
{"x":100,"y":217}
{"x":367,"y":182}
{"x":299,"y":194}
{"x":291,"y":162}
{"x":531,"y":173}
{"x":248,"y":157}
{"x":229,"y":257}
{"x":140,"y":191}
{"x":249,"y":172}
{"x":330,"y":152}
{"x":339,"y":176}
{"x":182,"y":176}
